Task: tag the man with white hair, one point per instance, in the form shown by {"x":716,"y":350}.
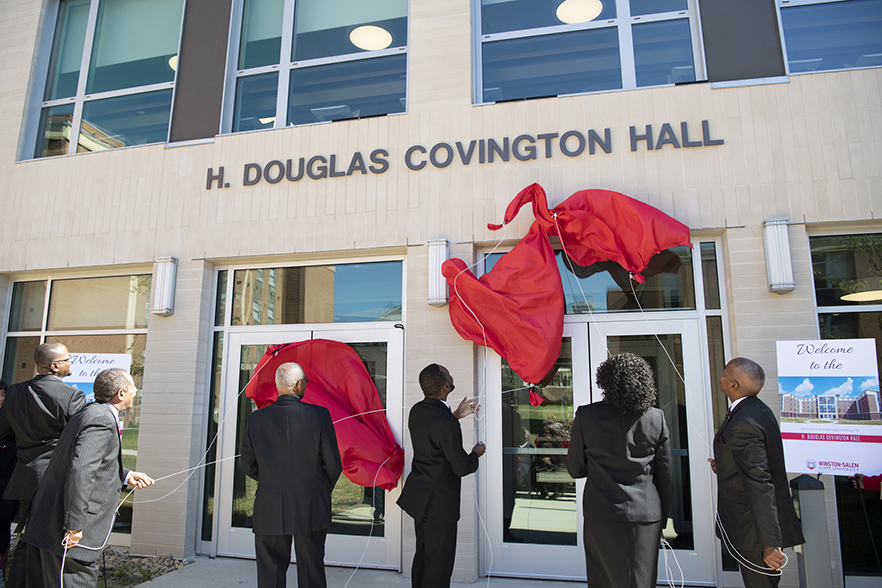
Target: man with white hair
{"x":291,"y":450}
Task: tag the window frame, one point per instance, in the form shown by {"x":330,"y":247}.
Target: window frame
{"x":37,"y":104}
{"x":286,"y":65}
{"x":781,"y":4}
{"x":623,"y":26}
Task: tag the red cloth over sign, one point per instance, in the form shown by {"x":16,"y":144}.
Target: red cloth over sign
{"x":339,"y":381}
{"x":516,"y":309}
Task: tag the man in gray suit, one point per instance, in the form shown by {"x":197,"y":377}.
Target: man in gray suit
{"x":33,"y":416}
{"x":77,"y":499}
{"x":755,"y":508}
{"x":290,"y":448}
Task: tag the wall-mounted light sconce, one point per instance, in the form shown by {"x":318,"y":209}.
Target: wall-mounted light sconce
{"x":439,"y":252}
{"x":779,"y":267}
{"x":162,"y":296}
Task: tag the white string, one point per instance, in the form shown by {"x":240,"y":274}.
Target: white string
{"x":371,"y":532}
{"x":669,"y":574}
{"x":751,"y":566}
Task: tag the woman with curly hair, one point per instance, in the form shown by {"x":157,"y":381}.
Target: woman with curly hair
{"x":621,"y":445}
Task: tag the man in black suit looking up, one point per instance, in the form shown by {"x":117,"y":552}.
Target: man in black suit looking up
{"x":33,"y":415}
{"x":290,"y":448}
{"x":76,"y":502}
{"x":431,"y":492}
{"x":755,"y":508}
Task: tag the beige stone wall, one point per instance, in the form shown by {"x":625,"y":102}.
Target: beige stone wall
{"x":808,"y":150}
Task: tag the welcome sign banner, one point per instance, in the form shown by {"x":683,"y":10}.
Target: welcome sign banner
{"x":829,"y":406}
{"x":86,"y":366}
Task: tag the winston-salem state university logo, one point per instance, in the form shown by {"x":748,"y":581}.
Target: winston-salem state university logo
{"x":811,"y":464}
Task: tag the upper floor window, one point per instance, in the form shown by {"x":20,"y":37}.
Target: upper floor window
{"x":824,"y":35}
{"x":307,"y":61}
{"x":532,"y":49}
{"x":110,"y":75}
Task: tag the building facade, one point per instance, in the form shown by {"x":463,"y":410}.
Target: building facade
{"x":296,"y":158}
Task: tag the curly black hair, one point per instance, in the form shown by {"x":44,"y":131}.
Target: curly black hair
{"x":627,"y":382}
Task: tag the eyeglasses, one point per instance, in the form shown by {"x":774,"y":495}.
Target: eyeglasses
{"x":65,"y":360}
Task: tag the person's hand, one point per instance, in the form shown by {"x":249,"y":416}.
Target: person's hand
{"x":139,"y":480}
{"x":773,"y":556}
{"x":71,"y":538}
{"x":466,"y":407}
{"x":713,"y":464}
{"x":479,"y":448}
{"x":857,"y":481}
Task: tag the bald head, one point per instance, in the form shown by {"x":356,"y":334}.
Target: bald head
{"x":290,"y":379}
{"x":52,"y":358}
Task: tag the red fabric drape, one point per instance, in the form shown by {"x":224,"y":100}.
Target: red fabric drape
{"x":517,"y":308}
{"x":339,"y":381}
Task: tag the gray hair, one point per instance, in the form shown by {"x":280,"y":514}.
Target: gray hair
{"x":753,"y":373}
{"x":109,"y":382}
{"x":288,"y":375}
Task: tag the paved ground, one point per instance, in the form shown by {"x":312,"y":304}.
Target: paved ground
{"x":228,"y":572}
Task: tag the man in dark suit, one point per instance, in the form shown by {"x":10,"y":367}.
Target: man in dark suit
{"x":432,"y":490}
{"x":77,"y":499}
{"x":290,"y":448}
{"x":754,"y":505}
{"x":33,"y":416}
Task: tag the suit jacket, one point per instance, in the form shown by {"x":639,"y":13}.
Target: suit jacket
{"x":627,"y":460}
{"x":290,"y":448}
{"x":439,"y":463}
{"x":753,"y":496}
{"x":34,"y":414}
{"x":80,"y":490}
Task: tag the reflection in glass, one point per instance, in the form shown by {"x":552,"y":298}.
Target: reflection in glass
{"x":322,"y":27}
{"x":353,"y":89}
{"x":211,"y":436}
{"x":538,"y":495}
{"x":499,"y":16}
{"x":665,"y":355}
{"x":663,"y":52}
{"x":710,"y":277}
{"x":18,"y":362}
{"x":717,"y":362}
{"x":134,"y":42}
{"x":255,"y":102}
{"x":220,"y":304}
{"x":261,"y":33}
{"x":833,"y":35}
{"x":26,"y":312}
{"x":135,"y":119}
{"x":120,"y":302}
{"x":606,"y":287}
{"x":641,"y":7}
{"x":53,"y":136}
{"x":318,"y":294}
{"x":847,"y":269}
{"x":355,"y":510}
{"x":853,"y":325}
{"x":67,"y":50}
{"x":132,"y":345}
{"x":552,"y":65}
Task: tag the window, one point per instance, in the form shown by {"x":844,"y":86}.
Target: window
{"x":823,"y":36}
{"x":110,"y":76}
{"x":106,"y":315}
{"x":308,"y":61}
{"x":537,"y":49}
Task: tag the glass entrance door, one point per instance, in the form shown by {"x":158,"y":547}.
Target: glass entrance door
{"x":535,"y":530}
{"x":362,"y":527}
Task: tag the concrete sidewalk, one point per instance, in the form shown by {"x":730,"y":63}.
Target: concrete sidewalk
{"x":224,"y":572}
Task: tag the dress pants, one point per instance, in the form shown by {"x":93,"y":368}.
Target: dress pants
{"x":274,"y":555}
{"x":44,"y":570}
{"x":435,"y":552}
{"x":753,"y":579}
{"x":18,"y":568}
{"x":622,"y":554}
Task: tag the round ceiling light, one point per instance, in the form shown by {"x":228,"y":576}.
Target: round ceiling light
{"x":173,"y":62}
{"x":866,"y":296}
{"x":370,"y":38}
{"x":576,"y":11}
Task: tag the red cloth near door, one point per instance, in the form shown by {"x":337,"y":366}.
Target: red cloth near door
{"x":517,"y":308}
{"x":520,"y":304}
{"x":339,"y":381}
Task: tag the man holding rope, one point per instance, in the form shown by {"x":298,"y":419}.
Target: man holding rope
{"x":756,"y":517}
{"x":77,"y":499}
